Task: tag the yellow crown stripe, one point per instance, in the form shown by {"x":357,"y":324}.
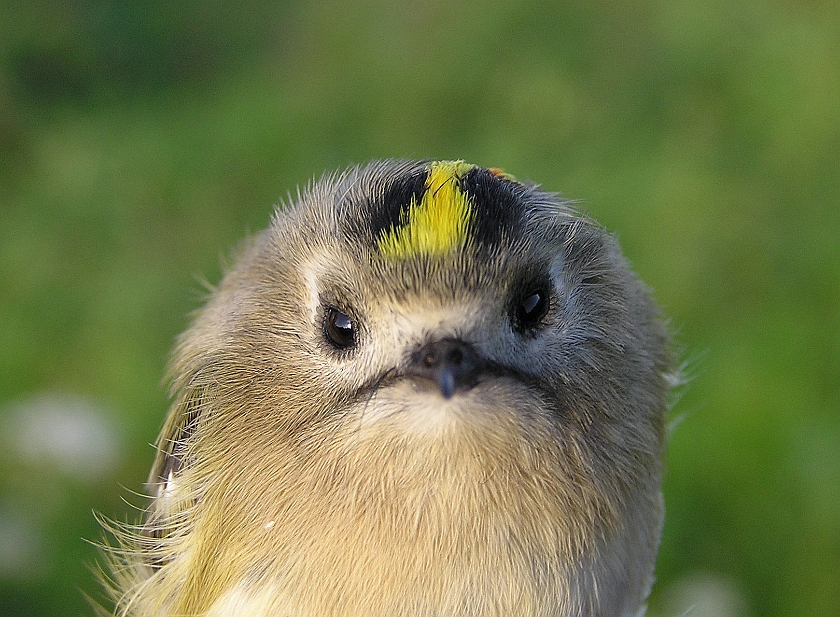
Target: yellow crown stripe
{"x":439,"y":223}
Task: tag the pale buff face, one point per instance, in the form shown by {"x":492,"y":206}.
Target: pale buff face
{"x":389,"y":329}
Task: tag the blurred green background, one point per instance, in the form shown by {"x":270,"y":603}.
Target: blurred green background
{"x":139,"y":141}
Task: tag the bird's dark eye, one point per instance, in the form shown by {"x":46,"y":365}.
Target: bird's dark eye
{"x":338,"y":328}
{"x":530,"y":310}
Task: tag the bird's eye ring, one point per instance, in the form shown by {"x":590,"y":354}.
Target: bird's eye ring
{"x":339,"y":328}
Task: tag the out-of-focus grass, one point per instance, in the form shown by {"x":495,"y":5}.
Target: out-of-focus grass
{"x":138,"y":144}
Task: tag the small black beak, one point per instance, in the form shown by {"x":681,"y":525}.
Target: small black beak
{"x":449,"y":363}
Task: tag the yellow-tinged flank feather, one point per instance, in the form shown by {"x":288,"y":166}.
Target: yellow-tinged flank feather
{"x":439,"y":223}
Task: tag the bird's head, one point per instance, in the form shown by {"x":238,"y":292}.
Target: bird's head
{"x":419,"y":350}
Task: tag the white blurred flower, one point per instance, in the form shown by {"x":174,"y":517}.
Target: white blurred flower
{"x":70,"y":433}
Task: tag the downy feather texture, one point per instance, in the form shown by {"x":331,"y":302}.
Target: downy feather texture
{"x":426,"y":389}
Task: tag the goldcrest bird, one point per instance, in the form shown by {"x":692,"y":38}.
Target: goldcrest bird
{"x":426,"y":390}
